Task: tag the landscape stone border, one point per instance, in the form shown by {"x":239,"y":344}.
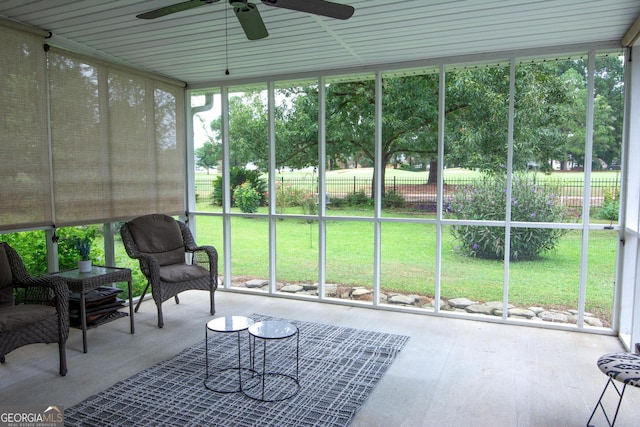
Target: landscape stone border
{"x":463,"y":305}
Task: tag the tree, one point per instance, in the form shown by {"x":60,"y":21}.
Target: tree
{"x":608,"y":107}
{"x":606,"y":145}
{"x":477,"y":135}
{"x":476,"y":120}
{"x":208,"y":155}
{"x":248,"y":130}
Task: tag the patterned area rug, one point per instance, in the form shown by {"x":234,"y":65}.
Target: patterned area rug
{"x":338,"y":369}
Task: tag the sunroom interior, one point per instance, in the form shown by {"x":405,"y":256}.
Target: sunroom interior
{"x":103,"y":114}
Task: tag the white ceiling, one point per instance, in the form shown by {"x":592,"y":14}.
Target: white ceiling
{"x":190,"y":46}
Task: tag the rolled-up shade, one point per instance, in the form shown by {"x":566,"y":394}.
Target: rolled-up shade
{"x":118,"y":146}
{"x":25,"y":185}
{"x":84,"y":141}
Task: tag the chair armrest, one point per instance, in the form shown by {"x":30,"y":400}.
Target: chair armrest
{"x":211,"y":255}
{"x":191,"y":246}
{"x":49,"y":289}
{"x":149,"y":266}
{"x":46,"y":289}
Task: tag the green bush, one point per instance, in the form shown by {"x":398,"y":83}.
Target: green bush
{"x":358,"y":198}
{"x":32,"y":248}
{"x":288,"y":195}
{"x":486,"y":200}
{"x":393,"y":199}
{"x":237,"y":177}
{"x":69,"y":240}
{"x":338,"y":202}
{"x":31,"y":245}
{"x":611,"y":205}
{"x":246,"y":198}
{"x":310,"y":205}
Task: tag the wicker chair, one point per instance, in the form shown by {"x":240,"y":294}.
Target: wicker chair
{"x":160,"y":243}
{"x":39,"y":311}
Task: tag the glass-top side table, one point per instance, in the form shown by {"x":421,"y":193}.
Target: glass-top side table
{"x":227,"y":324}
{"x":82,"y":283}
{"x":269,"y":385}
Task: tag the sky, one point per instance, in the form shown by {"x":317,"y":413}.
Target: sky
{"x":199,"y":134}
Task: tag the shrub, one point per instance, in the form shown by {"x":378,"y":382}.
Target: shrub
{"x":393,"y":199}
{"x":32,"y":248}
{"x":237,"y":177}
{"x":69,"y":242}
{"x":611,"y":205}
{"x":288,"y":195}
{"x":338,"y":202}
{"x":486,"y":200}
{"x":358,"y":198}
{"x":31,"y":245}
{"x":246,"y":198}
{"x":310,"y":205}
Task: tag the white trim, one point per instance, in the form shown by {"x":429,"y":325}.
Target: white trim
{"x":271,"y":100}
{"x":226,"y":194}
{"x":322,"y":190}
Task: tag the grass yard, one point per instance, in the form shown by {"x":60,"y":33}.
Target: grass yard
{"x":409,"y":252}
{"x":408,"y":262}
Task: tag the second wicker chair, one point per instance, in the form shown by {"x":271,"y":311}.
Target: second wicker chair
{"x":159,"y":243}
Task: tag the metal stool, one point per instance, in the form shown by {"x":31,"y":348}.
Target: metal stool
{"x":623,"y":367}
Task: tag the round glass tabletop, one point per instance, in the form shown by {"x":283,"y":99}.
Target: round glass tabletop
{"x":272,"y":329}
{"x":229,"y":324}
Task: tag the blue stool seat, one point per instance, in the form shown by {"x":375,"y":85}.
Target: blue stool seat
{"x":622,"y":367}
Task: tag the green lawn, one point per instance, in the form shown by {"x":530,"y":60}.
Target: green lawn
{"x":408,"y":262}
{"x":408,"y":254}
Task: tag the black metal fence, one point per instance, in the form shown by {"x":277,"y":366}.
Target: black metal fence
{"x":417,"y":191}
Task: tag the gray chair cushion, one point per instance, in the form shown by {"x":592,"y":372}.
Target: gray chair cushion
{"x":18,"y":316}
{"x":159,"y":235}
{"x":6,"y":279}
{"x":182,"y":273}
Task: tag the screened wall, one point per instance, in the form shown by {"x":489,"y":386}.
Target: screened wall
{"x":511,"y":213}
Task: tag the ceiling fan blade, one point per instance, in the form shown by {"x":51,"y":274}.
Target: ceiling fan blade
{"x":178,"y":7}
{"x":317,"y":7}
{"x":250,"y":20}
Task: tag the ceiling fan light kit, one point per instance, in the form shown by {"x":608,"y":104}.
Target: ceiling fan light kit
{"x":248,"y":14}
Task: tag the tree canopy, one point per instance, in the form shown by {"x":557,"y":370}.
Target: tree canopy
{"x":549,"y":119}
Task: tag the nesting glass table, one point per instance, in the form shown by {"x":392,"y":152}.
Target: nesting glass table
{"x":269,"y":384}
{"x":227,"y":379}
{"x":270,"y":380}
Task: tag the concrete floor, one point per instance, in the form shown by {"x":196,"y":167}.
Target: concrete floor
{"x":452,"y":372}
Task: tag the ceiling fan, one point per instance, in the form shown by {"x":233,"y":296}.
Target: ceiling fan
{"x":249,"y":16}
